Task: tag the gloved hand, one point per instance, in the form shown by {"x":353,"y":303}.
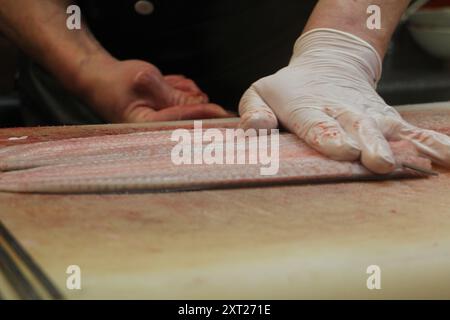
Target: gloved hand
{"x":326,"y":95}
{"x":136,"y":91}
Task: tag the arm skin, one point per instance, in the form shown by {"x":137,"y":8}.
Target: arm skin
{"x":351,"y":16}
{"x":120,"y":91}
{"x":38,"y":28}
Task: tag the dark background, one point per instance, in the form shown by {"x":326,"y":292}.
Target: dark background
{"x":9,"y":102}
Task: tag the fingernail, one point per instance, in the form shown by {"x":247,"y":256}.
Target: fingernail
{"x":195,"y":100}
{"x":259,"y":121}
{"x":388,"y":158}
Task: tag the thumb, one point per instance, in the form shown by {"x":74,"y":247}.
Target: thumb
{"x":138,"y":113}
{"x":141,"y":113}
{"x":152,"y":85}
{"x":255,"y":113}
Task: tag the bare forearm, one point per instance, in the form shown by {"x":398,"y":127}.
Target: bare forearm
{"x":39,"y":28}
{"x":351,"y":16}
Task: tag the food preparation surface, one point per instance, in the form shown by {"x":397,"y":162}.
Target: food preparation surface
{"x":310,"y":241}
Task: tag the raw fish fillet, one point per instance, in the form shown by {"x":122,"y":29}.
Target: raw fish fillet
{"x":142,"y":162}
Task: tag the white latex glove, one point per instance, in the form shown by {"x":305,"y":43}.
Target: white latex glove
{"x":327,"y":97}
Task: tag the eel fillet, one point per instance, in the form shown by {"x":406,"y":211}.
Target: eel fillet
{"x":142,"y":162}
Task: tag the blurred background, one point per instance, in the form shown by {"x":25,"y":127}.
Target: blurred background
{"x":9,"y":100}
{"x":416,"y":68}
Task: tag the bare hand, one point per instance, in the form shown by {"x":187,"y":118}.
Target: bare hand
{"x":136,"y":91}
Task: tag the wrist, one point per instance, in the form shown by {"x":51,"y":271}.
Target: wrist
{"x":81,"y":77}
{"x":338,"y":52}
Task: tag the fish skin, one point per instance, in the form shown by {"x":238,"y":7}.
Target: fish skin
{"x":141,"y":162}
{"x":75,"y":150}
